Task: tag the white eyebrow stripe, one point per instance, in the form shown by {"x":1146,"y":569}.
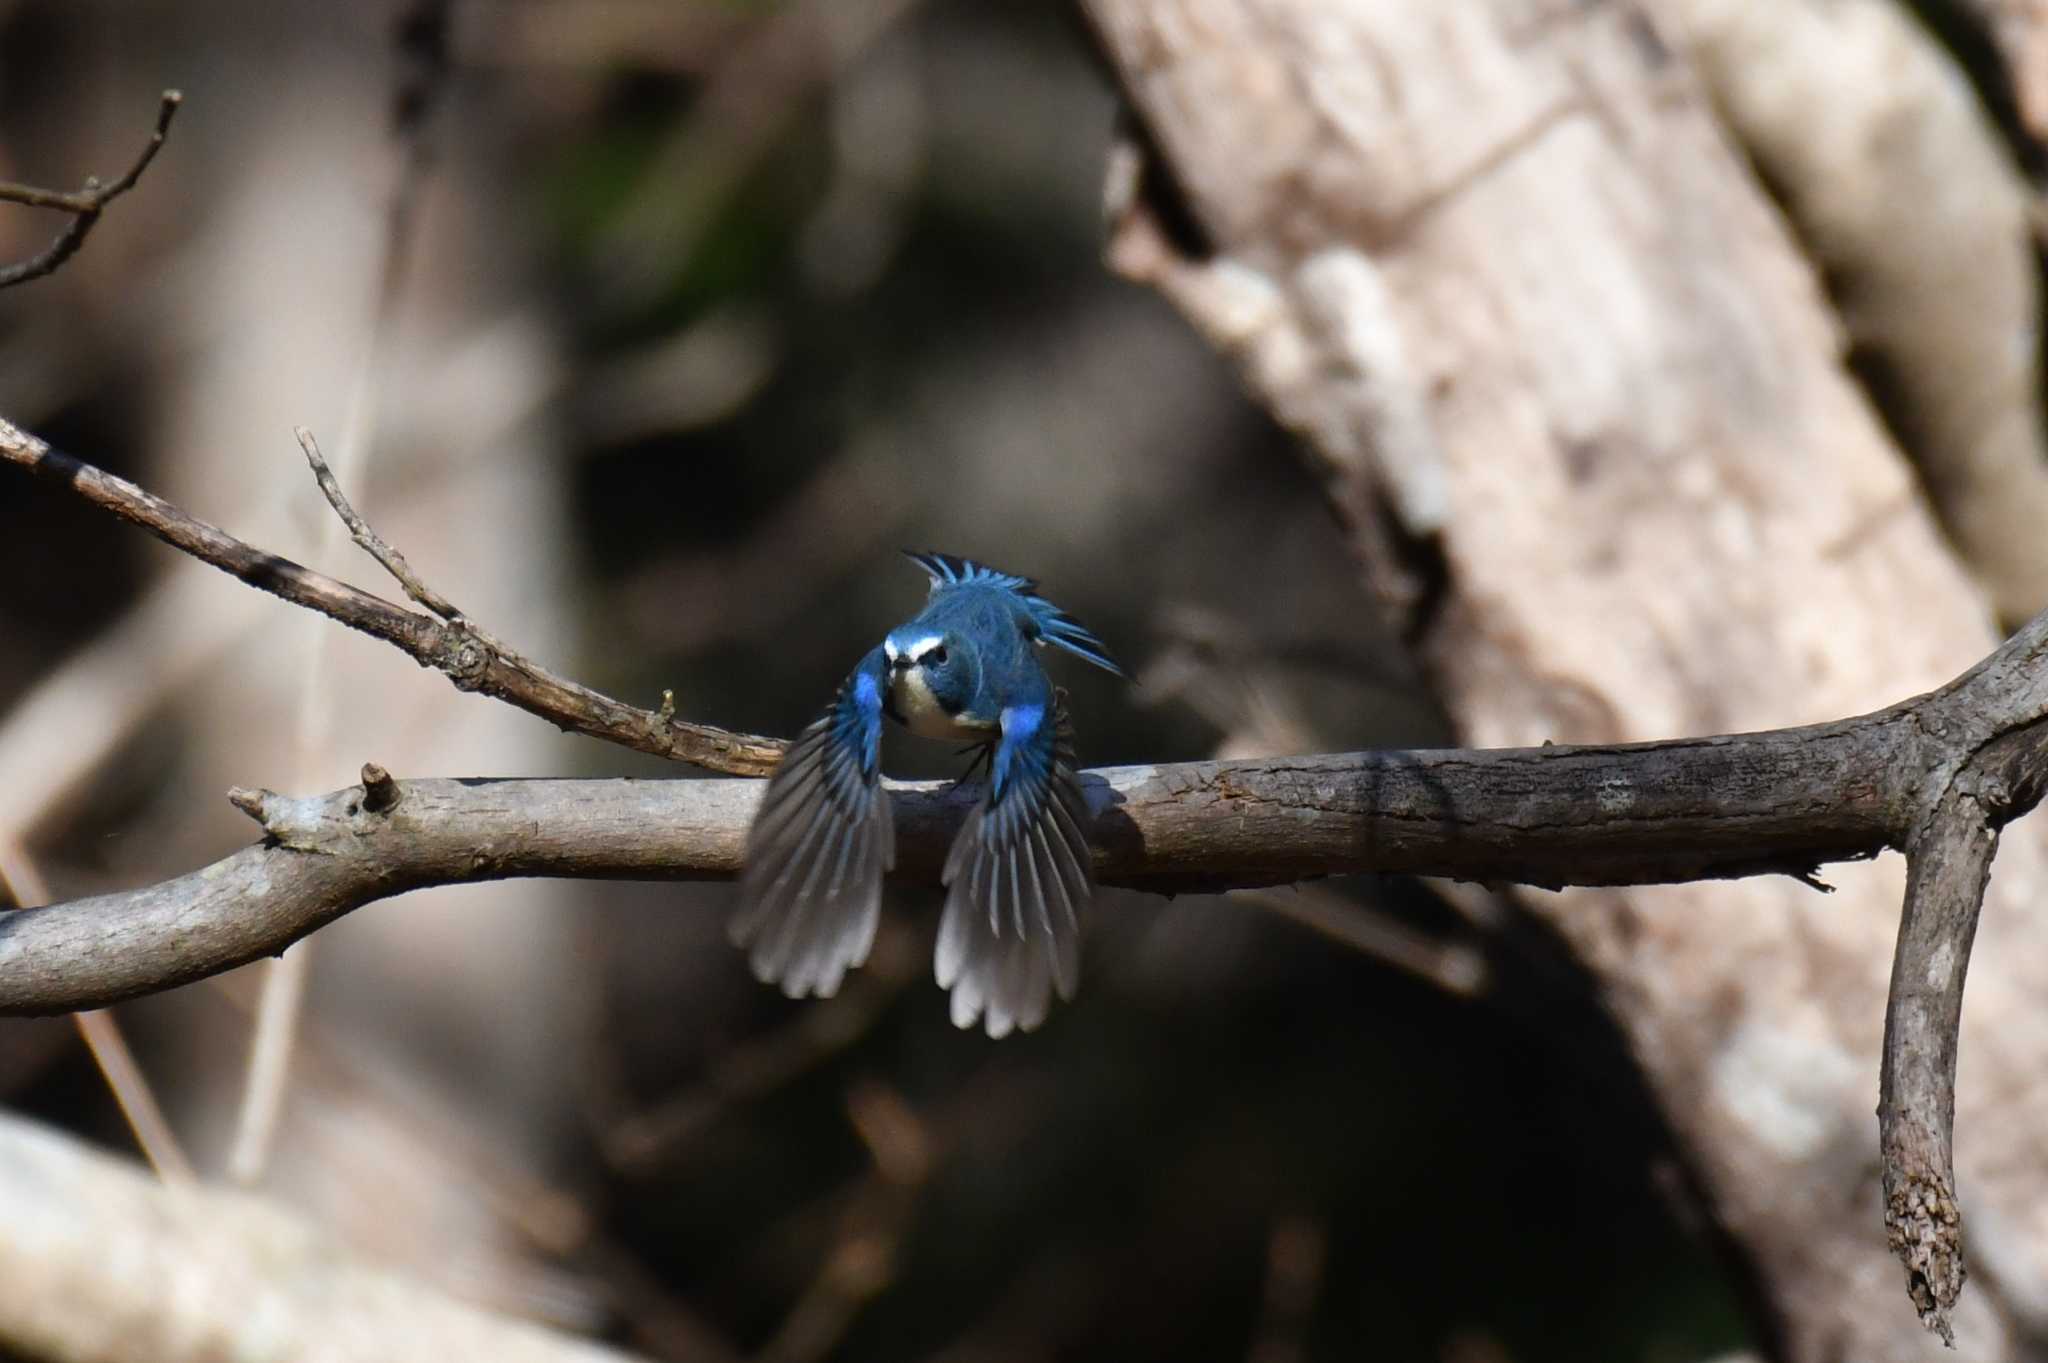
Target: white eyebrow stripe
{"x":889,"y":649}
{"x":924,"y":646}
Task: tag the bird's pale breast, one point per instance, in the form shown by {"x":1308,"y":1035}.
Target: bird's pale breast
{"x":922,"y":713}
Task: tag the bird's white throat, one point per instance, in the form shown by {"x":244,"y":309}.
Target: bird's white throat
{"x":921,"y":711}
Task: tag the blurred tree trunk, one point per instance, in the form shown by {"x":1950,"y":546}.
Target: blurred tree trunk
{"x":430,"y":435}
{"x":1581,"y":402}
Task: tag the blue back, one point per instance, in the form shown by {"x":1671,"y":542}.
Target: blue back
{"x":1043,"y":620}
{"x":1018,"y":876}
{"x":1003,"y":668}
{"x":994,"y":620}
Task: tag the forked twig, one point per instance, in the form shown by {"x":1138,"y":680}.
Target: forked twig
{"x":84,"y":205}
{"x":368,"y":540}
{"x":470,"y":658}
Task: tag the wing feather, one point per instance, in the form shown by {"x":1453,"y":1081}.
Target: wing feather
{"x":1004,"y":948}
{"x":811,"y":891}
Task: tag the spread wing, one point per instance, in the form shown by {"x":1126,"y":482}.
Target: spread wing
{"x":811,"y":893}
{"x":1018,"y":879}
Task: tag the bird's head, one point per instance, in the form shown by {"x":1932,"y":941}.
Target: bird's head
{"x":929,"y":670}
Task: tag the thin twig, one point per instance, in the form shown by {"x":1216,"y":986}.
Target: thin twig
{"x":23,"y":881}
{"x":1453,"y":968}
{"x":640,"y":1143}
{"x":877,"y":1213}
{"x":273,"y":1038}
{"x":457,"y":649}
{"x":368,"y":540}
{"x":134,"y":1096}
{"x":84,"y":205}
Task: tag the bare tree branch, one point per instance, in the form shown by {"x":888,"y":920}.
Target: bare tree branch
{"x":1934,"y":776}
{"x":469,"y":658}
{"x":22,"y":880}
{"x":1785,"y":801}
{"x":367,"y":539}
{"x":1949,"y":864}
{"x":84,"y":205}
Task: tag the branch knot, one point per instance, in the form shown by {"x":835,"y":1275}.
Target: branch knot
{"x":465,"y":657}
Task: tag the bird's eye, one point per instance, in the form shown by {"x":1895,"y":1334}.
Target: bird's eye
{"x":937,"y":657}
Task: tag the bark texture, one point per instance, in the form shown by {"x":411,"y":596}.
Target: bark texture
{"x":1500,"y":266}
{"x":1726,"y":806}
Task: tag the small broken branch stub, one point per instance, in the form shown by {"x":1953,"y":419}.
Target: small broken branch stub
{"x":380,"y":792}
{"x":1925,"y":1230}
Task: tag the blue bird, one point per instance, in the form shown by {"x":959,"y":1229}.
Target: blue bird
{"x":1018,"y":876}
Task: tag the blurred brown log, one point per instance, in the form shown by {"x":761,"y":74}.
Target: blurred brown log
{"x":1563,"y":369}
{"x":101,"y":1263}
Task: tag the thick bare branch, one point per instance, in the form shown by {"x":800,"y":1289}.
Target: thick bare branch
{"x":84,"y":205}
{"x":455,"y":648}
{"x":1948,"y":868}
{"x":102,"y":1263}
{"x":1785,"y":801}
{"x":22,"y":881}
{"x":1948,"y":865}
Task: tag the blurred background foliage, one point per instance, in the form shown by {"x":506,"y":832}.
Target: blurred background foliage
{"x":792,"y":286}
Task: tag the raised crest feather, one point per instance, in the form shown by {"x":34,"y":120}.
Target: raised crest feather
{"x":950,"y":570}
{"x":1054,"y":626}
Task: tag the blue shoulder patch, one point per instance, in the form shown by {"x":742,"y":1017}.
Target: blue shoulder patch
{"x":1022,"y":732}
